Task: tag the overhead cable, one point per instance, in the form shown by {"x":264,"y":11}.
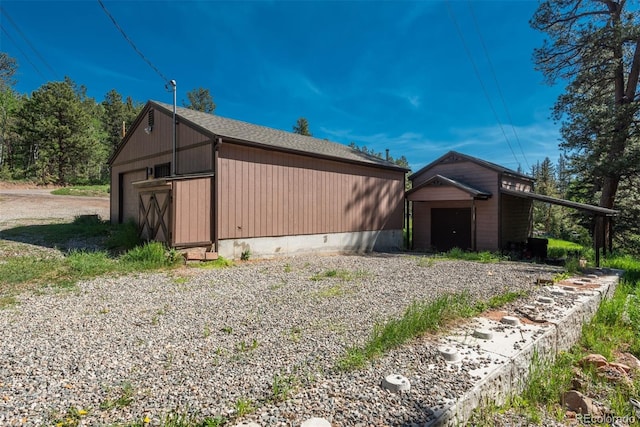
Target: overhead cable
{"x":26,"y":39}
{"x":495,"y":79}
{"x":128,"y":39}
{"x":22,"y":52}
{"x":484,"y":89}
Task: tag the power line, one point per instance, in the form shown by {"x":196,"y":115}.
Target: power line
{"x":484,"y":89}
{"x":23,"y":52}
{"x":33,"y":48}
{"x":495,"y":79}
{"x":126,"y":37}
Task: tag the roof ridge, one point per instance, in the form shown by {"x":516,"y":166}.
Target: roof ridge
{"x":276,"y":138}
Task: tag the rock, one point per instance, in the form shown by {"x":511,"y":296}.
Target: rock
{"x":614,"y":374}
{"x":595,"y":360}
{"x":577,"y":384}
{"x":629,"y":360}
{"x":620,"y":366}
{"x":579,"y":403}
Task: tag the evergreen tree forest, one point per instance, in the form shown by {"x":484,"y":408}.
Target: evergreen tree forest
{"x":561,"y":180}
{"x":57,"y":134}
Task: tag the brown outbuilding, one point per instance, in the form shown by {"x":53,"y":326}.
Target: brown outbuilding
{"x":234,"y":187}
{"x":472,"y":204}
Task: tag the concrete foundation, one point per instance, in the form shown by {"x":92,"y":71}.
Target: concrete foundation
{"x":327,"y":243}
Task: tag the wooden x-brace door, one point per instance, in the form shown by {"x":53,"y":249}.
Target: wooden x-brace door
{"x":153,"y":213}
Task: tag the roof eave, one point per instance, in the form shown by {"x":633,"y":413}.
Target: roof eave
{"x":475,"y":193}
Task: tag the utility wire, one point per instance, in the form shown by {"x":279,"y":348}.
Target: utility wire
{"x":495,"y":79}
{"x":33,"y":48}
{"x":126,"y":37}
{"x":23,"y":52}
{"x":484,"y":89}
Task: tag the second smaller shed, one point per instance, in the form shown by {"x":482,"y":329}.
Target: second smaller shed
{"x":459,"y":201}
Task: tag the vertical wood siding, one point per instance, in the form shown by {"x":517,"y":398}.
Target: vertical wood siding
{"x":470,"y":173}
{"x":143,"y":151}
{"x":516,"y":219}
{"x":487,"y":211}
{"x":436,"y":193}
{"x":421,"y":216}
{"x":192,"y":211}
{"x":130,"y":196}
{"x":266,"y":193}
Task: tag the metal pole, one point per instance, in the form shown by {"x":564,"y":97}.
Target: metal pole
{"x":173,"y":150}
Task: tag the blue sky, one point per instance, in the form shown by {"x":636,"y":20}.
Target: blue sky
{"x":417,"y":77}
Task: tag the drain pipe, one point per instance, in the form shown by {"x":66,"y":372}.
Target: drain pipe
{"x":173,"y":145}
{"x":214,"y":201}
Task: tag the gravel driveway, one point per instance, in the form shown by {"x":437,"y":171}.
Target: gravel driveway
{"x":206,"y":342}
{"x":38,"y":206}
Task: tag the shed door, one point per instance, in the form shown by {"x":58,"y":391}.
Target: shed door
{"x":153,"y":215}
{"x":451,"y":228}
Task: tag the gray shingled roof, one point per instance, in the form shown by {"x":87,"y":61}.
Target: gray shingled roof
{"x":243,"y":131}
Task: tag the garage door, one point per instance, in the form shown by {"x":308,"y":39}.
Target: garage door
{"x":129,"y":195}
{"x":451,"y":228}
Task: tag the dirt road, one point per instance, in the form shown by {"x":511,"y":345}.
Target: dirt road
{"x":39,"y":206}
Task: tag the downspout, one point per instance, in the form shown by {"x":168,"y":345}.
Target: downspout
{"x":173,"y":145}
{"x":406,"y":221}
{"x":214,"y":228}
{"x":473,"y":224}
{"x":499,"y":208}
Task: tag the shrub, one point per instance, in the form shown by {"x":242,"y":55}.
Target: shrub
{"x":149,"y":256}
{"x":123,"y":237}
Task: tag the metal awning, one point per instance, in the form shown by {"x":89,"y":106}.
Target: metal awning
{"x":594,"y":210}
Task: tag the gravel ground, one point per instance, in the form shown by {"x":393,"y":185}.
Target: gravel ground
{"x":27,"y":206}
{"x":202,"y":341}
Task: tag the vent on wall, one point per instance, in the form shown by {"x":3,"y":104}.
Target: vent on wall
{"x":149,"y":127}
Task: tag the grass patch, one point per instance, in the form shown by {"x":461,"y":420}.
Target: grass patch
{"x":630,"y":265}
{"x":123,"y":237}
{"x":187,"y":420}
{"x":336,"y":290}
{"x":121,"y":398}
{"x":419,"y":318}
{"x":498,"y":301}
{"x":243,"y":407}
{"x":83,"y":190}
{"x":484,"y":256}
{"x":8,"y":301}
{"x":21,"y":274}
{"x":72,"y":417}
{"x":151,"y":256}
{"x":221,"y":262}
{"x":426,"y":261}
{"x":282,"y":386}
{"x":344,"y":275}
